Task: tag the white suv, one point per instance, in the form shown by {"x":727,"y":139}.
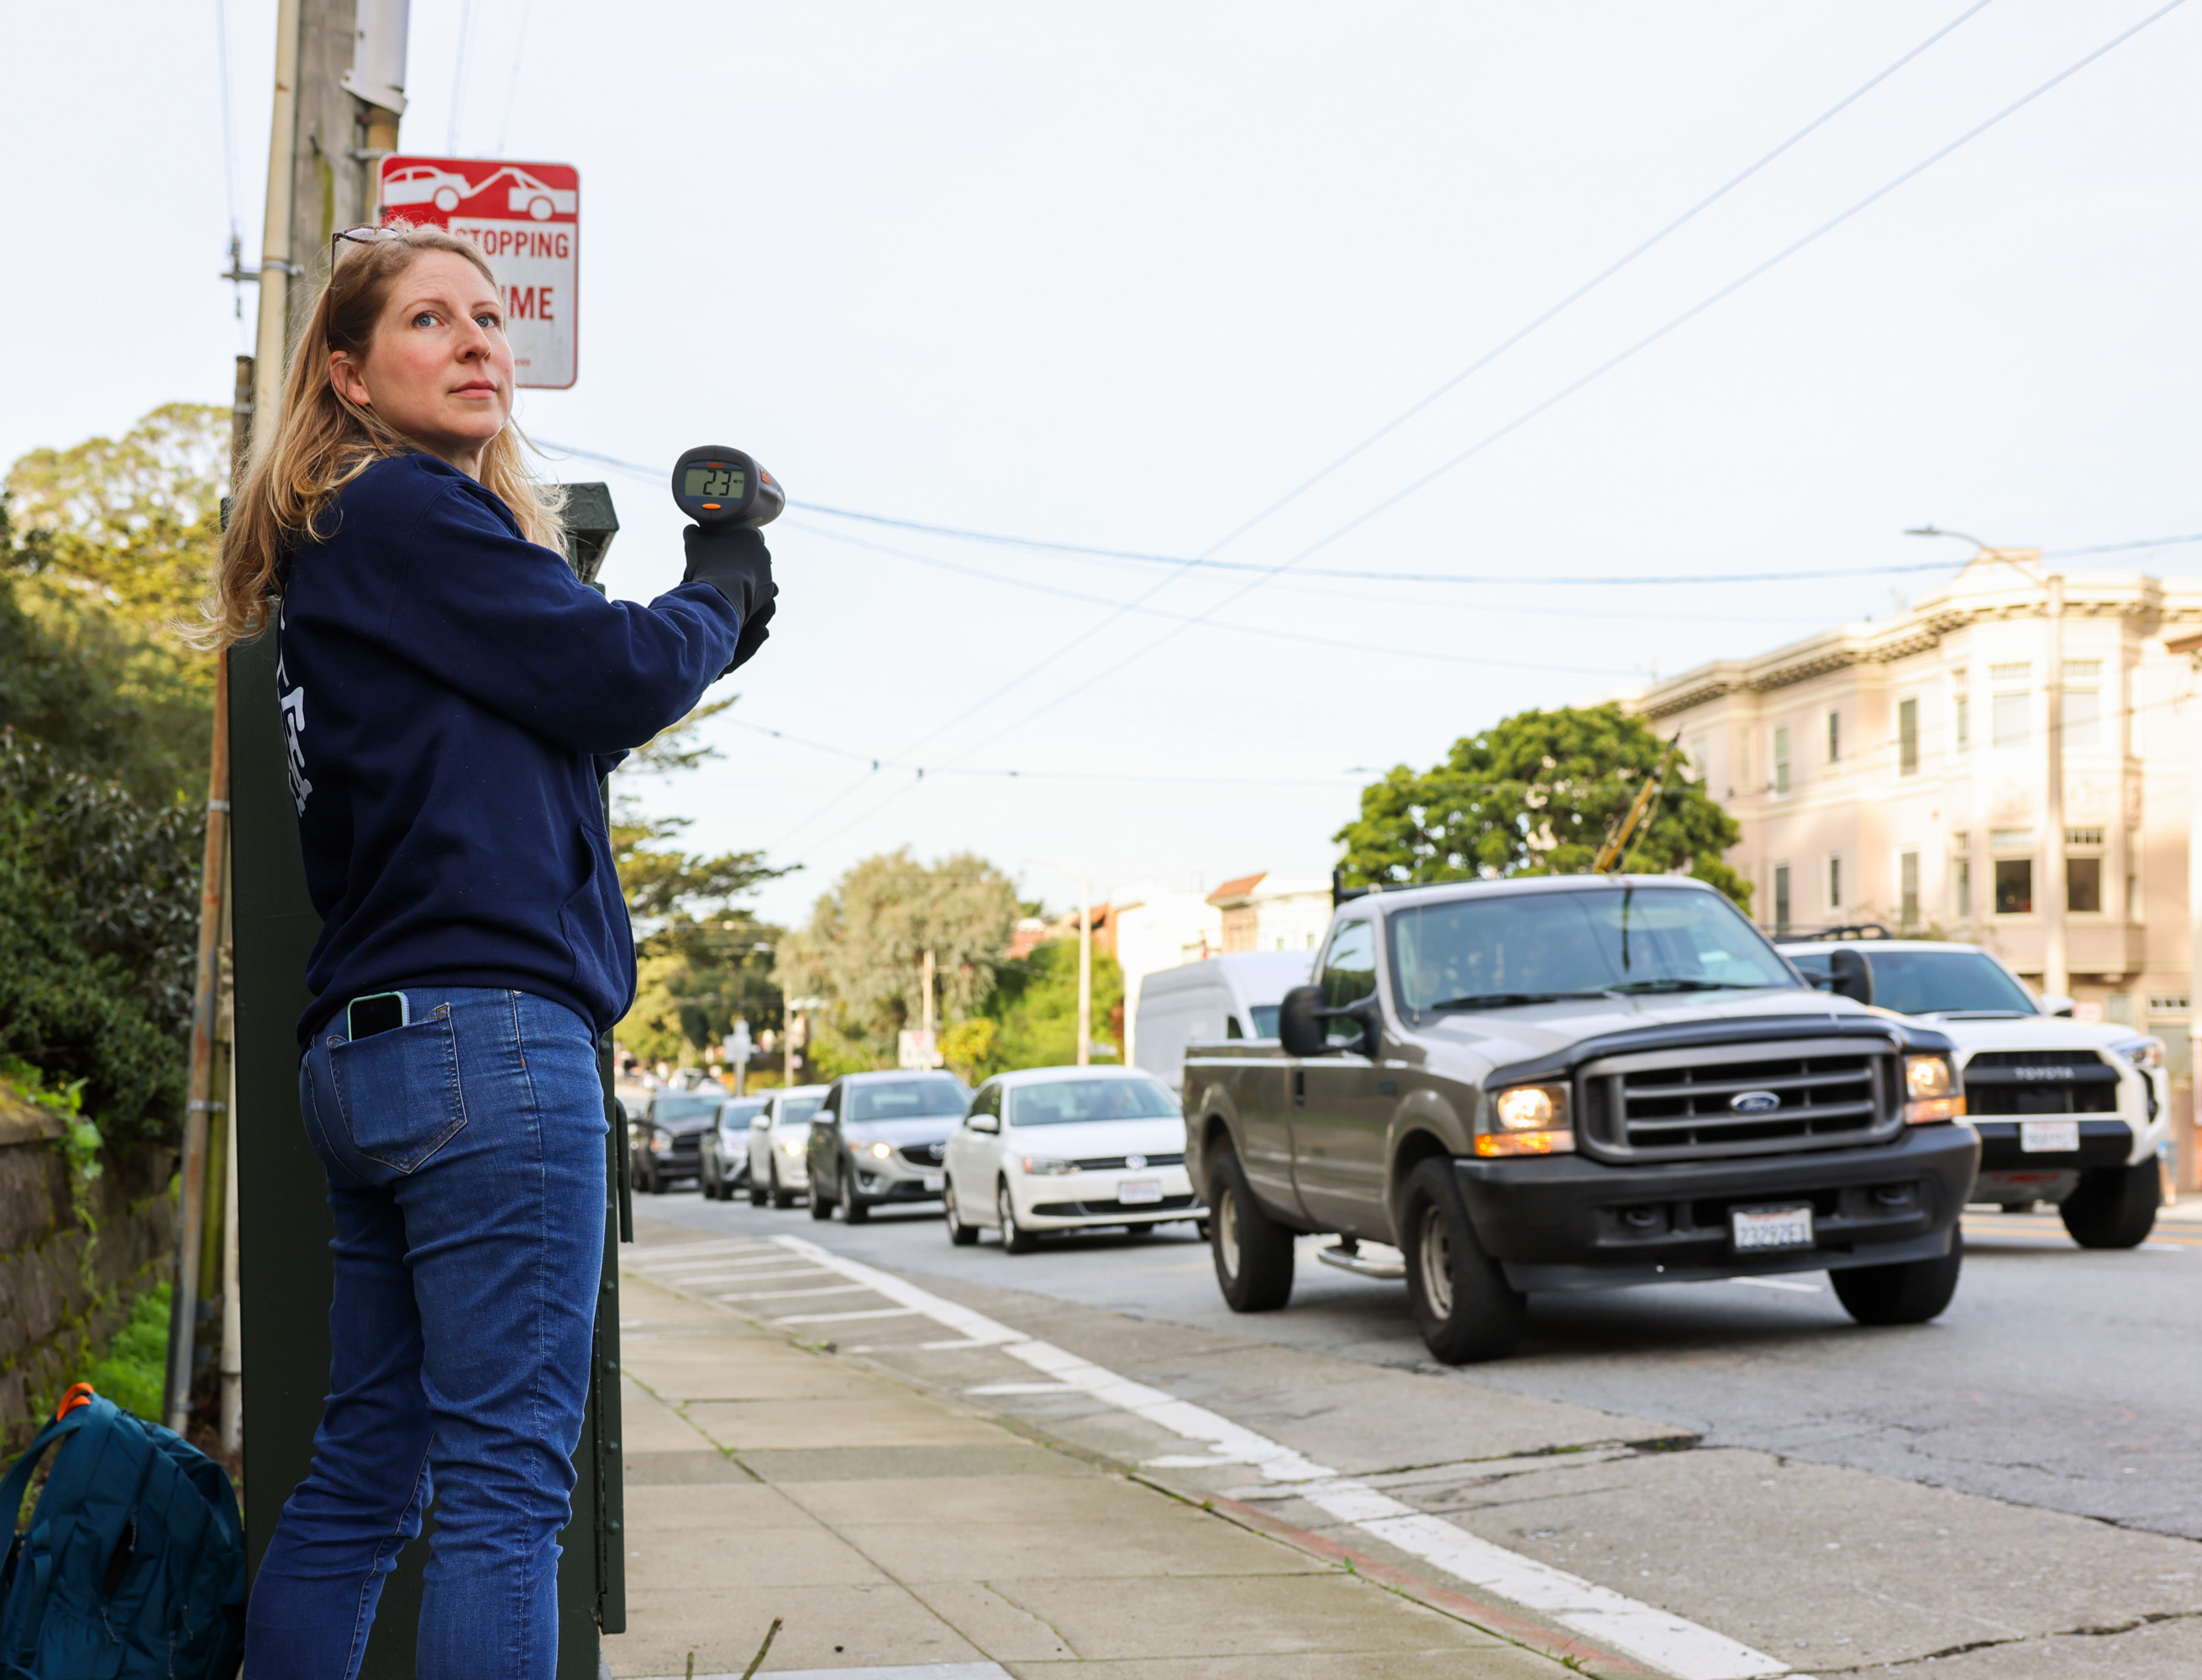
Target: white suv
{"x":2069,"y":1112}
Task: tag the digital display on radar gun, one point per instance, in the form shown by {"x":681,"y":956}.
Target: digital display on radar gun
{"x":723,"y":489}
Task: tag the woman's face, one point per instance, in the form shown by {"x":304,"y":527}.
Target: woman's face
{"x":439,"y":368}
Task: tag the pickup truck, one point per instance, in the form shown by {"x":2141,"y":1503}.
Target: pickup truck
{"x":1574,"y":1083}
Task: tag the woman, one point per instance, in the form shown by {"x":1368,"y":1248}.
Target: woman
{"x":452,"y":695}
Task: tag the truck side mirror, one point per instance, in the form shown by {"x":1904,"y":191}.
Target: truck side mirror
{"x":1300,"y":1022}
{"x":1849,"y":974}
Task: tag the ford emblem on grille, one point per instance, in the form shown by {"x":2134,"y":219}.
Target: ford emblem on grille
{"x":1135,"y":1162}
{"x":1755,"y":1102}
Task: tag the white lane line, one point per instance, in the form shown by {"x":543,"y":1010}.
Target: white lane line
{"x":1781,"y":1284}
{"x":783,"y":1295}
{"x":1024,"y":1388}
{"x":1667,"y":1641}
{"x":841,"y":1318}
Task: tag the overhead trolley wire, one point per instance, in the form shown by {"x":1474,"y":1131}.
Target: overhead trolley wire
{"x":1550,"y":402}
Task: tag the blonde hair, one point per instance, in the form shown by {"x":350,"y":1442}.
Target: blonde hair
{"x":325,"y":440}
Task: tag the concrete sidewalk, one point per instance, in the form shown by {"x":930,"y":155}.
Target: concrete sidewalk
{"x":900,"y":1533}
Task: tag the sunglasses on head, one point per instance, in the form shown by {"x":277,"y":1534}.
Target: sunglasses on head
{"x":360,"y":236}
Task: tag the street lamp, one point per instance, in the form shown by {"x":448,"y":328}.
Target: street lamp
{"x":2056,"y":972}
{"x":1084,"y":958}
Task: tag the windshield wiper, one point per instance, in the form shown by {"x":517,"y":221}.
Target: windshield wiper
{"x":1632,"y":988}
{"x":1507,"y":1000}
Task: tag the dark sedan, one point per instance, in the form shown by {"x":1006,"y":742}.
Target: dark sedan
{"x":668,"y":1140}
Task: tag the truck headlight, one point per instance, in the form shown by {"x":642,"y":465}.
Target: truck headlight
{"x":1046,"y":1167}
{"x":2146,"y":1053}
{"x":1929,"y":1089}
{"x":1532,"y":1120}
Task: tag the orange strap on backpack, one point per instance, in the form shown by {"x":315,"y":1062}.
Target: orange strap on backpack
{"x":78,"y":1394}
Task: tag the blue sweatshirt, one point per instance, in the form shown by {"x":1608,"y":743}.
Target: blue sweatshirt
{"x":451,"y":695}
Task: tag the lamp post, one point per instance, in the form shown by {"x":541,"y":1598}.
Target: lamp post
{"x":1084,"y":961}
{"x":2056,"y":970}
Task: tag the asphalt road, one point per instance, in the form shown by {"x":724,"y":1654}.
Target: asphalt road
{"x":2059,"y":1378}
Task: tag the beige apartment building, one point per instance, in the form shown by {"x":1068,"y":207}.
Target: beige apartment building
{"x":1897,"y":772}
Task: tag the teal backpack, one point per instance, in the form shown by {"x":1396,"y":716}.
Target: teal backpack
{"x":133,"y":1565}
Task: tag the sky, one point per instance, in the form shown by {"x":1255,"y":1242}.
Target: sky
{"x":1123,"y":277}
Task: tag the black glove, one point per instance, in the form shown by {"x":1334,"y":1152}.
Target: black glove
{"x":738,"y":565}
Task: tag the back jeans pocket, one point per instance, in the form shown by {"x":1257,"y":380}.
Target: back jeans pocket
{"x":398,"y":1092}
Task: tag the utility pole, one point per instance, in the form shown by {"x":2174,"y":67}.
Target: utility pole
{"x":1085,"y":973}
{"x":2056,"y":972}
{"x":925,"y":982}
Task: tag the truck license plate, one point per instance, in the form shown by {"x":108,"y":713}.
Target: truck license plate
{"x":934,"y":1181}
{"x":1759,"y":1229}
{"x":2041,"y":1137}
{"x":1137,"y":1192}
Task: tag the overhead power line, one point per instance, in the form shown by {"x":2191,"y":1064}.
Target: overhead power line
{"x":1554,"y":400}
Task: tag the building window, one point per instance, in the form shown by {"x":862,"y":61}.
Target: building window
{"x":1701,"y":758}
{"x":2007,"y":719}
{"x":1835,"y":883}
{"x":1835,"y":737}
{"x":1781,"y":898}
{"x":2083,"y":712}
{"x":2020,"y":672}
{"x":1961,"y":887}
{"x":1781,"y":759}
{"x":1907,"y":887}
{"x":2133,"y":875}
{"x":1907,"y":738}
{"x":1962,"y":730}
{"x":2014,"y":886}
{"x":2083,"y":884}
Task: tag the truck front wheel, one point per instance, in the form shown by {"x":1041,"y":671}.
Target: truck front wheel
{"x":2115,"y":1207}
{"x":1253,"y":1254}
{"x":1461,"y":1301}
{"x":1910,"y":1293}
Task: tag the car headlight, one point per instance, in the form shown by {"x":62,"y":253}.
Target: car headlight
{"x":793,"y":1146}
{"x":877,"y":1151}
{"x":1045,"y":1167}
{"x":2143,"y":1053}
{"x":1532,"y":1120}
{"x":1929,"y":1089}
{"x":659,"y":1144}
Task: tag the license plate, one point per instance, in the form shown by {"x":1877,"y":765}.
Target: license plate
{"x":1757,"y":1229}
{"x":2049,"y":1137}
{"x":1137,"y":1192}
{"x":934,"y":1181}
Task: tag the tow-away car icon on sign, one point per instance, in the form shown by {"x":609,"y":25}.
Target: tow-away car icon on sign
{"x":425,"y":184}
{"x":539,"y":201}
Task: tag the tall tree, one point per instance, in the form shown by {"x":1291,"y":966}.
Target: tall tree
{"x":1536,"y":794}
{"x":703,"y":959}
{"x":866,"y":944}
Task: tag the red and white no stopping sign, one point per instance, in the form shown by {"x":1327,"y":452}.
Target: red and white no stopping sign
{"x":526,"y":218}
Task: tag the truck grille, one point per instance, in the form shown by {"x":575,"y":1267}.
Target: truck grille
{"x":1682,"y":1105}
{"x":2040,"y":1082}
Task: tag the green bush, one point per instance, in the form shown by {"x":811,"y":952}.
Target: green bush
{"x":134,"y":1372}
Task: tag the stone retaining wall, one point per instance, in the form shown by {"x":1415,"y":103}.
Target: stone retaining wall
{"x":56,"y":1305}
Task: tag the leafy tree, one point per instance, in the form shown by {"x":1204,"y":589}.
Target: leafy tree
{"x":702,"y":960}
{"x":1536,"y":794}
{"x":868,"y":937}
{"x":1035,"y":1009}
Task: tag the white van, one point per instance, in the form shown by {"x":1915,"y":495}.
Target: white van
{"x":1233,"y":996}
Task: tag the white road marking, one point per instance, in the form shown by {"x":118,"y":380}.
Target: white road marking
{"x":1022,"y":1388}
{"x":783,"y":1295}
{"x":841,"y":1318}
{"x":1667,"y":1641}
{"x":1781,"y":1284}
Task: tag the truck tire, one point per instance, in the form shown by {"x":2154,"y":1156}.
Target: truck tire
{"x":1458,"y":1297}
{"x":1910,"y":1293}
{"x":1253,"y":1254}
{"x":2114,"y":1207}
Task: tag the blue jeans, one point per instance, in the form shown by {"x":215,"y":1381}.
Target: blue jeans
{"x":466,"y":1161}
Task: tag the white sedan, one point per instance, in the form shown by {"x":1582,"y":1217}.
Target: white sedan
{"x":777,"y":1139}
{"x":1066,"y":1149}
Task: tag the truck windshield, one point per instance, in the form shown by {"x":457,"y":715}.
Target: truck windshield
{"x":1486,"y":953}
{"x":1934,"y":983}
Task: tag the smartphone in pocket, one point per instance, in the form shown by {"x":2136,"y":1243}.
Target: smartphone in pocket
{"x":364,"y":1017}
